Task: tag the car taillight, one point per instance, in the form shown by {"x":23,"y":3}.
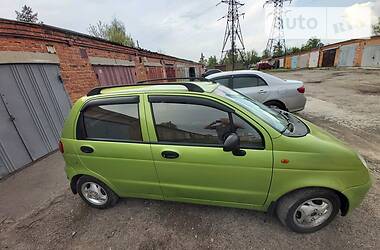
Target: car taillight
{"x":61,"y":148}
{"x":301,"y":89}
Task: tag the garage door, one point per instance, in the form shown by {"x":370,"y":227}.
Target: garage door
{"x":347,"y":55}
{"x":294,"y":62}
{"x":170,"y":71}
{"x":314,"y":58}
{"x":154,"y":73}
{"x":371,"y":56}
{"x":303,"y":61}
{"x":115,"y":75}
{"x":328,"y":58}
{"x":33,"y":107}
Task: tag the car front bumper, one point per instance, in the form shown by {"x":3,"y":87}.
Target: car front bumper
{"x":356,"y":195}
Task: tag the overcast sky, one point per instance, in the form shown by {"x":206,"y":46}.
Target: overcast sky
{"x":183,"y":28}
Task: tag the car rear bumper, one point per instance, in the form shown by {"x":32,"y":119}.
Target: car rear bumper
{"x":295,"y":104}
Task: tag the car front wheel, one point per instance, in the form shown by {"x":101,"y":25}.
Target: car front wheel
{"x":308,"y":210}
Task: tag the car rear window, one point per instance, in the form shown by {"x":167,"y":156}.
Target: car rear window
{"x":115,"y":122}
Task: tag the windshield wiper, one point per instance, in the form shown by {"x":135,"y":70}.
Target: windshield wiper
{"x":290,"y":125}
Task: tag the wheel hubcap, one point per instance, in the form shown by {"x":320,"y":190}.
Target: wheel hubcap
{"x":313,"y":212}
{"x":94,"y":193}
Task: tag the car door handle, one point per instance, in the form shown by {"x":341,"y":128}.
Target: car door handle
{"x":261,"y":91}
{"x":87,"y":149}
{"x":169,"y":154}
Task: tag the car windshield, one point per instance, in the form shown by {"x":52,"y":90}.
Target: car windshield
{"x":269,"y":116}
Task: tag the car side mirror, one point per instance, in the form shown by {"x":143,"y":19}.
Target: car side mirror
{"x":231,"y":143}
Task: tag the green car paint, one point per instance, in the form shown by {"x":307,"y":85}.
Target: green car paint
{"x":208,"y":175}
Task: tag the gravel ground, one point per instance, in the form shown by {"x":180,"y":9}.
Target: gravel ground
{"x":345,"y":102}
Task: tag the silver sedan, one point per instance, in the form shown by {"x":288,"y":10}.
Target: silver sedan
{"x":272,"y":91}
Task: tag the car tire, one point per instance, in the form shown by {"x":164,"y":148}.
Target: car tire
{"x":276,"y":105}
{"x":95,"y":193}
{"x":308,"y":210}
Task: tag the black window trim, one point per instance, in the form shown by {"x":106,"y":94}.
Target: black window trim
{"x":246,"y":75}
{"x":229,"y":78}
{"x":81,"y":133}
{"x":225,"y":109}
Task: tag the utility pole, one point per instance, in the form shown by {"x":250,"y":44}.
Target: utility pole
{"x":233,"y":32}
{"x":276,"y":44}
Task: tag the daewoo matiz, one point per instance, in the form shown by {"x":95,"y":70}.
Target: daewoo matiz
{"x":202,"y":142}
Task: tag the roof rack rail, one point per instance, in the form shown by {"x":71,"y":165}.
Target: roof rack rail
{"x":190,"y":87}
{"x":201,"y":79}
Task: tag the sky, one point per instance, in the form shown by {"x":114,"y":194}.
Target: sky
{"x":182,"y":28}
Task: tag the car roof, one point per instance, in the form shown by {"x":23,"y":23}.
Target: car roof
{"x":236,"y":72}
{"x":205,"y":86}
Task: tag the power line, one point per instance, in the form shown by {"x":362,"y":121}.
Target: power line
{"x":233,"y":32}
{"x":276,"y":44}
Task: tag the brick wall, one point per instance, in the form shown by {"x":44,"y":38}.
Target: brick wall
{"x":76,"y":70}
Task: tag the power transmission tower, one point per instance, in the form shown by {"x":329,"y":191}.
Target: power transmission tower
{"x":233,"y":32}
{"x":276,"y":43}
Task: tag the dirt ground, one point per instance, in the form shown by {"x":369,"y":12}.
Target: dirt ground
{"x":345,"y":102}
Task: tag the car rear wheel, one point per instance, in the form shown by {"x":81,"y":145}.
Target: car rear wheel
{"x":308,"y":210}
{"x":275,"y":105}
{"x":95,"y":193}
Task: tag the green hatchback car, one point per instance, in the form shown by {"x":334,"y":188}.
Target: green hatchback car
{"x":201,"y":142}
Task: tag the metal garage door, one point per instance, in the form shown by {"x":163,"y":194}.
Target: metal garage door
{"x":294,"y":62}
{"x":33,"y":107}
{"x":182,"y":71}
{"x":115,"y":75}
{"x":170,"y":71}
{"x":314,"y":58}
{"x":328,"y":58}
{"x":155,"y":73}
{"x":303,"y":61}
{"x":347,"y":55}
{"x":371,"y":56}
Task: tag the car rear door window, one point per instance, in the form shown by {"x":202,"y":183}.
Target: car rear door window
{"x":223,"y":81}
{"x":196,"y":124}
{"x":247,"y":81}
{"x":113,"y":122}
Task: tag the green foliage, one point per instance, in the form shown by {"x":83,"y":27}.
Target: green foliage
{"x":249,"y":58}
{"x":311,"y":44}
{"x":376,"y":28}
{"x":293,"y":50}
{"x":114,"y":32}
{"x":203,"y":60}
{"x":211,"y":62}
{"x":26,"y":15}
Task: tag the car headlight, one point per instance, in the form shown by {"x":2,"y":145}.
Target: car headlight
{"x":363,"y":161}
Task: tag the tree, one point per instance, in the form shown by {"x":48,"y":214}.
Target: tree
{"x":203,"y":60}
{"x":311,"y":44}
{"x":114,"y":32}
{"x":266,"y":54}
{"x":293,"y":50}
{"x":26,"y":15}
{"x":376,"y":28}
{"x":211,"y":62}
{"x":249,"y":58}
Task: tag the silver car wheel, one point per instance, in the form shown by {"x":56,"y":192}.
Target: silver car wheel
{"x":94,"y":193}
{"x":313,"y":212}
